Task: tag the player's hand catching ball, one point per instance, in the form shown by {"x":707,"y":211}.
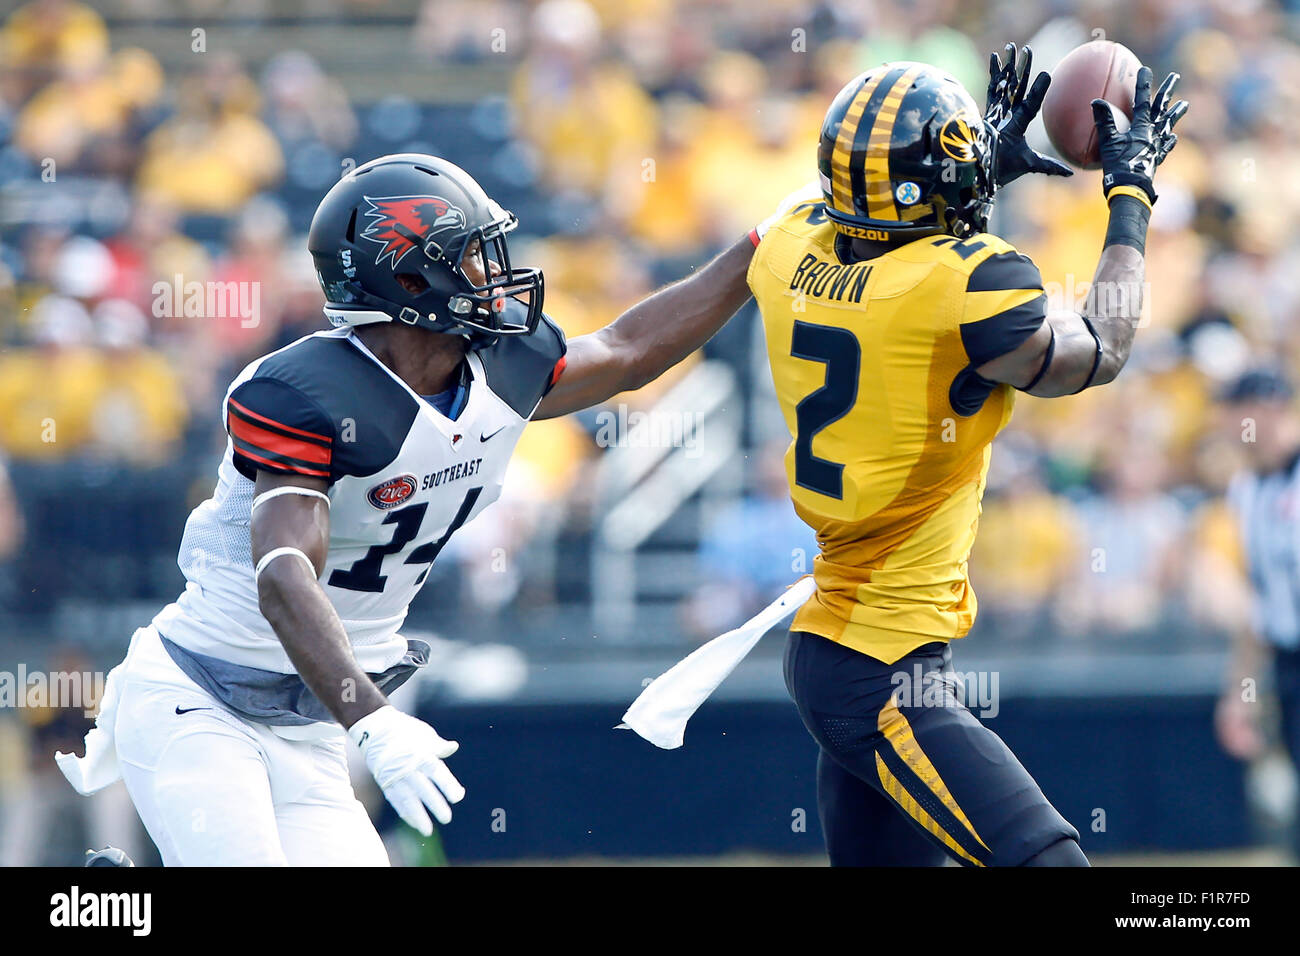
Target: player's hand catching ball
{"x":405,"y":756}
{"x":1130,"y":158}
{"x":1012,"y":105}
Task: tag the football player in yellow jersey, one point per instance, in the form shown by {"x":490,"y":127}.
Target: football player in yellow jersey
{"x":898,"y":330}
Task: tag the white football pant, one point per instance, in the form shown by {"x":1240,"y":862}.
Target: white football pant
{"x":216,"y":790}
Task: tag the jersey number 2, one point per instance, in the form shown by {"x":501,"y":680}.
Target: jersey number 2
{"x":839,"y":350}
{"x":365,"y":573}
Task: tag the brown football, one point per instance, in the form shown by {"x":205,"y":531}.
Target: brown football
{"x":1102,"y":69}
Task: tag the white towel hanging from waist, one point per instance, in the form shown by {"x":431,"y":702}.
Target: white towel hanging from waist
{"x":662,"y":710}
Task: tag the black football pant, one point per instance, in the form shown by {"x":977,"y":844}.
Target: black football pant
{"x":907,"y":775}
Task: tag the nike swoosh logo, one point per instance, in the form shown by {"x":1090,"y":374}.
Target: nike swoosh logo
{"x":188,"y":709}
{"x":494,"y":434}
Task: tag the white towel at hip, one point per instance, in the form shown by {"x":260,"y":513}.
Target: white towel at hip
{"x":662,"y":710}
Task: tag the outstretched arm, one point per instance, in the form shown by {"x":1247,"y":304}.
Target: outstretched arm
{"x":1073,"y":351}
{"x":1064,"y":356}
{"x":652,"y":336}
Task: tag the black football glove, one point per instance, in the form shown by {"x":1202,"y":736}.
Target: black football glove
{"x":1012,"y":104}
{"x":1130,"y":158}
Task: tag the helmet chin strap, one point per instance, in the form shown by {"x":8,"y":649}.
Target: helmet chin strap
{"x":344,"y":317}
{"x":968,"y":220}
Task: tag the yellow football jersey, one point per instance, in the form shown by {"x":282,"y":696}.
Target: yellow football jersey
{"x":874,"y":366}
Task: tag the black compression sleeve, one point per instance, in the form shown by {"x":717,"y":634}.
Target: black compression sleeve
{"x":1128,"y":223}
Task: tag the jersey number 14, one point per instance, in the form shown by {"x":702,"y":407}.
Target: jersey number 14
{"x":366,"y":573}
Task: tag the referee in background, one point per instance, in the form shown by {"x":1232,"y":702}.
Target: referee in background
{"x":1265,"y":499}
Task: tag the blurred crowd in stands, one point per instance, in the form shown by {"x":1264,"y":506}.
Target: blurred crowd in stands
{"x":634,"y":139}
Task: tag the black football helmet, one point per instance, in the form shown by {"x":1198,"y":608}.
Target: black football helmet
{"x":413,"y":216}
{"x":906,"y":152}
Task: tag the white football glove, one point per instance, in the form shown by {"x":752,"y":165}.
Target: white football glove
{"x":404,"y":755}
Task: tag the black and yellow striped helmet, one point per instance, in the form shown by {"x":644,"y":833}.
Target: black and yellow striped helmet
{"x":905,"y":152}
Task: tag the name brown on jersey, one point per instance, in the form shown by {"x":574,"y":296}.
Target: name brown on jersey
{"x":832,"y":281}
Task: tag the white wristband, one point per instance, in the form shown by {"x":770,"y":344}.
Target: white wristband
{"x":288,"y":490}
{"x":278,"y":552}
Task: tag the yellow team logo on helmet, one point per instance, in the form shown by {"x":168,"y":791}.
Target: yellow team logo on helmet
{"x":957,"y":139}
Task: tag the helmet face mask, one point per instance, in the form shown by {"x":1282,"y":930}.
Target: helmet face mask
{"x":905,"y":152}
{"x":483,"y":306}
{"x":409,"y":216}
{"x":973,"y":204}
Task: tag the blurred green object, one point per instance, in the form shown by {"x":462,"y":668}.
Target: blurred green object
{"x":421,"y":851}
{"x":942,"y":46}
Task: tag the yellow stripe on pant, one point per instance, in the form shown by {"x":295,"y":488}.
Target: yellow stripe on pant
{"x":899,"y":735}
{"x":899,"y":793}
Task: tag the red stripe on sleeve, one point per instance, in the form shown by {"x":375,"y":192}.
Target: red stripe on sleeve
{"x":270,"y":421}
{"x":283,"y":466}
{"x":559,"y":369}
{"x":754,"y":237}
{"x":279,"y":444}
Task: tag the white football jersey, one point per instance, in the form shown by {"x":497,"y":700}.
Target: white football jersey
{"x":403,"y":478}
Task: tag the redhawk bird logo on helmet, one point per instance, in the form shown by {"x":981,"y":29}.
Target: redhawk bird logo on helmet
{"x":396,"y":219}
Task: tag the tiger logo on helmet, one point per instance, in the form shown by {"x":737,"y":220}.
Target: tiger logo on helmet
{"x":906,"y":152}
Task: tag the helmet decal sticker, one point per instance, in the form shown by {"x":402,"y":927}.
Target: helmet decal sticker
{"x":907,"y":193}
{"x":394,"y":219}
{"x":957,"y":139}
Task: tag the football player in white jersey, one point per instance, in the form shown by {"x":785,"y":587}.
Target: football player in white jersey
{"x":354,"y":455}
